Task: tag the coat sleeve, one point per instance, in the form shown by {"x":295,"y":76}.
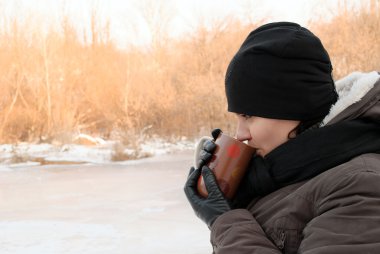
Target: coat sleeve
{"x":237,"y":231}
{"x":347,"y":218}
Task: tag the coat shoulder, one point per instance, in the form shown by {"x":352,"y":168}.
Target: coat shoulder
{"x":357,"y":176}
{"x":343,"y":188}
{"x":364,"y":163}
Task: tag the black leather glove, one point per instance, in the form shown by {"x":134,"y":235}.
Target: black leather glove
{"x":208,"y":149}
{"x":210,"y":208}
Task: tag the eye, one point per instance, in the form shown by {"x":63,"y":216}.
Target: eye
{"x":245,"y":116}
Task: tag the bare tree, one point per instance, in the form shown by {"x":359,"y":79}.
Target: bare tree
{"x":157,"y":16}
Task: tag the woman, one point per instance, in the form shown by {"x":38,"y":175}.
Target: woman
{"x":313,"y":185}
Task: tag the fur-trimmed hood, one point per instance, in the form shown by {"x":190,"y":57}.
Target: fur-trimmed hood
{"x":358,"y":93}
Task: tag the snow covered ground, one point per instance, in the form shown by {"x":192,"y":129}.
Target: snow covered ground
{"x":99,"y":207}
{"x":25,"y":154}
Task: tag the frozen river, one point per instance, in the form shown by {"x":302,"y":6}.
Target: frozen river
{"x":135,"y":207}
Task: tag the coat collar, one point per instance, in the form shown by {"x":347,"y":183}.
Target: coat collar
{"x":351,"y":89}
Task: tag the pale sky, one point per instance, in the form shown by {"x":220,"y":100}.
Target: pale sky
{"x":129,"y":26}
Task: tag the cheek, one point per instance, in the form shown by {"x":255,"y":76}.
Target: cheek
{"x":264,"y":135}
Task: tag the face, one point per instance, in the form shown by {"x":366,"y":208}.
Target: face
{"x":264,"y":134}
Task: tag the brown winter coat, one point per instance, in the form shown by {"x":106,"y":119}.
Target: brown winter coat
{"x":335,"y":212}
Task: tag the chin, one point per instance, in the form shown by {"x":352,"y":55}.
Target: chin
{"x":261,"y":152}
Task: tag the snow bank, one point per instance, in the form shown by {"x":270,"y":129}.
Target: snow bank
{"x":100,"y":151}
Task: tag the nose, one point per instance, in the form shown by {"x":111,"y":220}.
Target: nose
{"x":242,"y":132}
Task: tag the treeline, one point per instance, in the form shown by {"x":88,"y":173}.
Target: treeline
{"x":57,"y":83}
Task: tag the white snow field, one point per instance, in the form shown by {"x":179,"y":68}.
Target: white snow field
{"x":111,"y":208}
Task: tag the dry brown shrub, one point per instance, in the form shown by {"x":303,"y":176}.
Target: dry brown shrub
{"x":56,"y":83}
{"x":352,"y":37}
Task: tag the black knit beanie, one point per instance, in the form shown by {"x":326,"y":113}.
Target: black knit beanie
{"x":281,"y":71}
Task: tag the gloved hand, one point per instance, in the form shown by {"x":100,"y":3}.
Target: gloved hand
{"x":210,"y":208}
{"x":208,"y":149}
